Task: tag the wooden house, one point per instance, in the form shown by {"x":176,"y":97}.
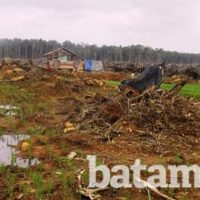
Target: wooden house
{"x":60,"y":59}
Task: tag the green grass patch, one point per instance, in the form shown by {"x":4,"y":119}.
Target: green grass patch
{"x":113,"y":83}
{"x":191,"y":89}
{"x":28,"y":105}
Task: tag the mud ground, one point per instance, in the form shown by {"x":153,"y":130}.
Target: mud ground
{"x":154,"y":129}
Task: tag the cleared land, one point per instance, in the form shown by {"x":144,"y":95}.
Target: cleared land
{"x":85,"y":114}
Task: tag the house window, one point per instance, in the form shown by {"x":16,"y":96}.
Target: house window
{"x":63,"y":59}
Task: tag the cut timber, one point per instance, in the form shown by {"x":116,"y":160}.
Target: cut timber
{"x":19,"y":78}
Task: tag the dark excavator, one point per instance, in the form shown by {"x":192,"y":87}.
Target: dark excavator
{"x":152,"y":76}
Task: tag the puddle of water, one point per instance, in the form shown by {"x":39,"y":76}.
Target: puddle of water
{"x":8,"y":154}
{"x":8,"y":110}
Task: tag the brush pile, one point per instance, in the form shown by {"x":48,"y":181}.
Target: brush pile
{"x":153,"y":112}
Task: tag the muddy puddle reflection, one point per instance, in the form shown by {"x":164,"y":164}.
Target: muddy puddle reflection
{"x":8,"y":153}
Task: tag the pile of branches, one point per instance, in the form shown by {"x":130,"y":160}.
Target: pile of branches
{"x":154,"y":111}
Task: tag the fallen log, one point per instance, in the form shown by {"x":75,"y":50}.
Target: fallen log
{"x":176,"y":89}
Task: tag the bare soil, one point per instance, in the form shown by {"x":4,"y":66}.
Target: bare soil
{"x":157,"y":128}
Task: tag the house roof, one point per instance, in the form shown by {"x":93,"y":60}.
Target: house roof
{"x":63,"y":49}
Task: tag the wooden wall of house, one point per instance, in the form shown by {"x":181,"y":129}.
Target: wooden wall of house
{"x":53,"y":61}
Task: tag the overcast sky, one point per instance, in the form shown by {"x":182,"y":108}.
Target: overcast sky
{"x":167,"y":24}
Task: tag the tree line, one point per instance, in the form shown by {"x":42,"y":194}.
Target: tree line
{"x":35,"y":48}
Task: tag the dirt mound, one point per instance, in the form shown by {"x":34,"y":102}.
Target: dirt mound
{"x":13,"y":72}
{"x":103,"y":76}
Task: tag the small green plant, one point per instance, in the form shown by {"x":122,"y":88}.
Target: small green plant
{"x":2,"y":131}
{"x":24,"y":189}
{"x":85,"y":178}
{"x":64,"y":184}
{"x":40,"y":167}
{"x":178,"y":159}
{"x":127,"y":196}
{"x":49,"y":151}
{"x":13,"y":159}
{"x":37,"y":182}
{"x":37,"y":179}
{"x":64,"y":146}
{"x":54,"y":132}
{"x":36,"y":130}
{"x":3,"y":169}
{"x":11,"y":183}
{"x":48,"y":187}
{"x":58,"y":160}
{"x":30,"y":150}
{"x":184,"y":197}
{"x":171,"y":192}
{"x":10,"y":120}
{"x":149,"y":195}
